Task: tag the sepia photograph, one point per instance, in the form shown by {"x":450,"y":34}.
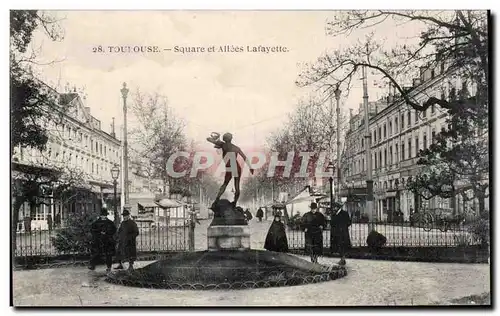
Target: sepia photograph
{"x":237,"y":158}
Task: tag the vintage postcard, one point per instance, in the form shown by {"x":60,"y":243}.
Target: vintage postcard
{"x":250,"y":158}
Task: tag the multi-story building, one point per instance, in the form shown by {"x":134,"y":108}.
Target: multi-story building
{"x":398,"y":132}
{"x":77,"y":144}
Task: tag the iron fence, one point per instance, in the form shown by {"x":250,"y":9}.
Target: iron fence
{"x":397,"y":234}
{"x":151,"y":238}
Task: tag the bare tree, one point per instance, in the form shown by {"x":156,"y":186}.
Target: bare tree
{"x":157,"y":136}
{"x":311,"y":128}
{"x":453,"y":42}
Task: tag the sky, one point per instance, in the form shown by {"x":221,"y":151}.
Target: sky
{"x":247,"y":94}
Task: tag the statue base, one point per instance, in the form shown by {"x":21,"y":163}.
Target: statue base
{"x":228,"y":237}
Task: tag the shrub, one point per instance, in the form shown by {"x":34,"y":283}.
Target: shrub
{"x":76,"y":236}
{"x":364,"y":219}
{"x":375,"y":241}
{"x":295,"y":222}
{"x":480,"y":231}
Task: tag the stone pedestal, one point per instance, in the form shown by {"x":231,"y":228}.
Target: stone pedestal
{"x":228,"y":237}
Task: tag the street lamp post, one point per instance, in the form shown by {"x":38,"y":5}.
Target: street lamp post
{"x":124,"y":92}
{"x":337,"y":98}
{"x":368,"y":152}
{"x":115,"y":173}
{"x":331,"y":170}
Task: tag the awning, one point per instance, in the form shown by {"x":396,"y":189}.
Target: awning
{"x":147,"y":204}
{"x":390,"y":194}
{"x":168,"y":203}
{"x":304,"y":199}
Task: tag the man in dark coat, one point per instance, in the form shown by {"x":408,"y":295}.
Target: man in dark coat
{"x":259,"y":214}
{"x":276,"y":236}
{"x":341,"y":241}
{"x":103,"y":243}
{"x":313,"y":224}
{"x":127,"y":234}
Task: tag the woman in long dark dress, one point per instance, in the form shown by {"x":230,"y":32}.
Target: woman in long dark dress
{"x":313,"y":224}
{"x":276,"y":236}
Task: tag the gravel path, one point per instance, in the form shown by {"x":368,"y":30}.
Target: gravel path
{"x":368,"y":283}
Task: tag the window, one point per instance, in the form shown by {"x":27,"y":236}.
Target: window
{"x":390,"y":128}
{"x":409,"y":148}
{"x":390,"y":155}
{"x":380,"y":159}
{"x":408,"y":121}
{"x":375,"y":161}
{"x":380,"y":134}
{"x":402,"y":121}
{"x":385,"y":132}
{"x":433,"y":135}
{"x":374,"y":136}
{"x":100,"y":149}
{"x":96,"y":147}
{"x":92,"y":167}
{"x":424,"y":113}
{"x":425,"y":141}
{"x":397,"y":154}
{"x":416,"y":116}
{"x":362,"y":143}
{"x":396,"y":124}
{"x":97,"y":168}
{"x":417,"y":146}
{"x":92,"y":145}
{"x":433,"y":109}
{"x":385,"y":157}
{"x":104,"y":150}
{"x":363,"y":167}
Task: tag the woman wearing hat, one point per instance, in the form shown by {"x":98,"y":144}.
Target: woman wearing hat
{"x":127,"y":233}
{"x":313,"y":224}
{"x":276,"y":236}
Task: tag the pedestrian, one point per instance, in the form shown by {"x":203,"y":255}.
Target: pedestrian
{"x":27,"y":224}
{"x":248,"y":215}
{"x":49,"y":222}
{"x":57,"y":220}
{"x":127,"y":234}
{"x":103,"y":242}
{"x":341,"y":241}
{"x":259,"y":214}
{"x":276,"y":236}
{"x":313,"y":224}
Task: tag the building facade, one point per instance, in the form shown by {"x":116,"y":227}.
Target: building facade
{"x":77,"y":145}
{"x":397,"y":133}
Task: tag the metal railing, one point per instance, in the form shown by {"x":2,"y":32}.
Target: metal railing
{"x":403,"y":234}
{"x":152,"y":237}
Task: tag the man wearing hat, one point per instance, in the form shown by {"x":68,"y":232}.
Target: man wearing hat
{"x":340,"y":239}
{"x":103,"y":243}
{"x":313,"y":224}
{"x":127,"y":234}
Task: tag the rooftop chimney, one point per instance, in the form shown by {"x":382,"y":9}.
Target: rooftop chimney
{"x":113,"y":128}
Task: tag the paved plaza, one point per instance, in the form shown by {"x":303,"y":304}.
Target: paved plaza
{"x":367,"y":283}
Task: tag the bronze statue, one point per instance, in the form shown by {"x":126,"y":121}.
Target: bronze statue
{"x":228,"y":147}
